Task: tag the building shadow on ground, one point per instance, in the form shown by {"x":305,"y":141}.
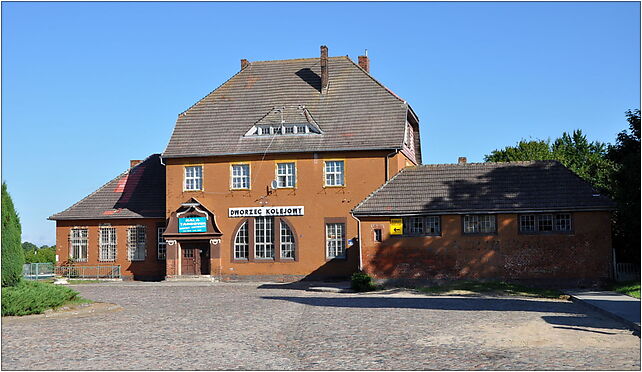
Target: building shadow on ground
{"x":577,"y":318}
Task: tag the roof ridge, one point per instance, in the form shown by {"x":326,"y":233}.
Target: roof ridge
{"x":101,"y":187}
{"x":297,"y":59}
{"x":490,"y":163}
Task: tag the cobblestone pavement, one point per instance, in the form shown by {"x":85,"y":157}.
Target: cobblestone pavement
{"x":198,"y":326}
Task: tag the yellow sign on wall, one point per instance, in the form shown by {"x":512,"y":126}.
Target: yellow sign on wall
{"x":396,"y":226}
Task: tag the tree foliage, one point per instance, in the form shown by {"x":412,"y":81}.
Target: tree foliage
{"x":587,"y":159}
{"x":12,"y":254}
{"x":42,"y":254}
{"x":626,"y":188}
{"x":29,"y":247}
{"x":612,"y":169}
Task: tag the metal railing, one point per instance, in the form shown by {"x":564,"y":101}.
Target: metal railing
{"x":626,"y":271}
{"x":38,"y":270}
{"x":88,"y":272}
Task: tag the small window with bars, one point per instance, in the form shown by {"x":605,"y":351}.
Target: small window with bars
{"x":78,"y":243}
{"x":480,"y":224}
{"x":194,"y":178}
{"x":242,"y":243}
{"x":240,"y":176}
{"x":334,"y":173}
{"x":285,"y":175}
{"x":161,"y":249}
{"x":136,"y":243}
{"x":107,"y":242}
{"x":335,"y":240}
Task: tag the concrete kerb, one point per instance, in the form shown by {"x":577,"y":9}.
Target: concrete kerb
{"x":630,"y":324}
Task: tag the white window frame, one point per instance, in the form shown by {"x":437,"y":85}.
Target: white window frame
{"x":286,"y":175}
{"x":136,"y":243}
{"x":240,"y":176}
{"x":333,"y":175}
{"x":264,"y":238}
{"x":108,"y":243}
{"x":335,"y":242}
{"x":161,"y":244}
{"x":193,"y":178}
{"x":242,"y":242}
{"x":535,"y":220}
{"x":480,"y":224}
{"x":288,"y":243}
{"x":79,"y":244}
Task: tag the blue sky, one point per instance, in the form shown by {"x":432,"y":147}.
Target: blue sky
{"x":88,"y":86}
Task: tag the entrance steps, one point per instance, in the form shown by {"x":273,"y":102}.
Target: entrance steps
{"x":192,"y":278}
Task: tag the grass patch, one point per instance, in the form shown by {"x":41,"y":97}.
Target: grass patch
{"x":492,"y":288}
{"x":628,"y":288}
{"x":32,"y":297}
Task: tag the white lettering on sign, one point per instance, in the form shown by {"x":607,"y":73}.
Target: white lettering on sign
{"x":266,"y":211}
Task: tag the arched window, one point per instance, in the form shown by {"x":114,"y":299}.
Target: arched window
{"x":241,"y":243}
{"x":287,"y":241}
{"x":262,"y":239}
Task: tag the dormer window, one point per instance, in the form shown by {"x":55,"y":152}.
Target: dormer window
{"x":291,"y":120}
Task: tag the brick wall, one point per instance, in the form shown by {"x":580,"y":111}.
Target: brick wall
{"x":583,"y":254}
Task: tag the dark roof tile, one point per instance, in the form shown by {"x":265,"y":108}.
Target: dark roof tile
{"x":483,"y":187}
{"x":138,"y":192}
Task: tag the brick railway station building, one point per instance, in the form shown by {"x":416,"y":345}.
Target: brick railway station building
{"x":310,"y":169}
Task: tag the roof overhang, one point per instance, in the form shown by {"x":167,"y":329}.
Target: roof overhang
{"x":275,"y":152}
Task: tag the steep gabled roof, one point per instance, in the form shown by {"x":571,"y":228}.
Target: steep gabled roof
{"x":356,"y":112}
{"x":483,"y":187}
{"x":138,"y":192}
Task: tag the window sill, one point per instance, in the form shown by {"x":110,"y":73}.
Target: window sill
{"x":248,"y":189}
{"x":192,"y":190}
{"x":333,"y":187}
{"x":341,"y":258}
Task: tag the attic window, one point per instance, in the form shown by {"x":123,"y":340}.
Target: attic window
{"x":283,"y":129}
{"x":286,"y":120}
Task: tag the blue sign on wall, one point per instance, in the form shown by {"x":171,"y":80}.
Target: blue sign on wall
{"x":192,"y":224}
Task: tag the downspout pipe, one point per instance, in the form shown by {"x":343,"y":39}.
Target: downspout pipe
{"x":358,"y":240}
{"x":387,"y":165}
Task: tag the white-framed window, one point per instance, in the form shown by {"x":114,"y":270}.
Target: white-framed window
{"x":285,"y":175}
{"x":287,"y":241}
{"x":335,"y":240}
{"x":242,"y":243}
{"x":161,"y":249}
{"x":136,"y":243}
{"x":78,"y":244}
{"x":240,"y":176}
{"x":480,"y":224}
{"x":264,"y":237}
{"x":107,"y":242}
{"x":194,"y":177}
{"x":433,"y":225}
{"x":545,"y":223}
{"x":334,"y":173}
{"x":422,"y":225}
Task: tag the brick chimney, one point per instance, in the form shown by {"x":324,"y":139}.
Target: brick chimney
{"x":364,"y":62}
{"x":324,"y":68}
{"x":244,"y":63}
{"x":133,"y":163}
{"x":462,"y":160}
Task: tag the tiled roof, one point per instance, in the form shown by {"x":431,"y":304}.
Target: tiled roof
{"x":356,"y":112}
{"x":138,"y":192}
{"x":483,"y":187}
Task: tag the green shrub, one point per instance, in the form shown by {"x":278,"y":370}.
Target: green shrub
{"x":12,"y":254}
{"x":47,"y":254}
{"x":30,"y":297}
{"x":362,"y":282}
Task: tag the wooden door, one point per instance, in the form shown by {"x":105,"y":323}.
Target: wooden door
{"x":191,"y":261}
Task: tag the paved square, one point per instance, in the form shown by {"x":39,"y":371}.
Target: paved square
{"x":250,"y":326}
